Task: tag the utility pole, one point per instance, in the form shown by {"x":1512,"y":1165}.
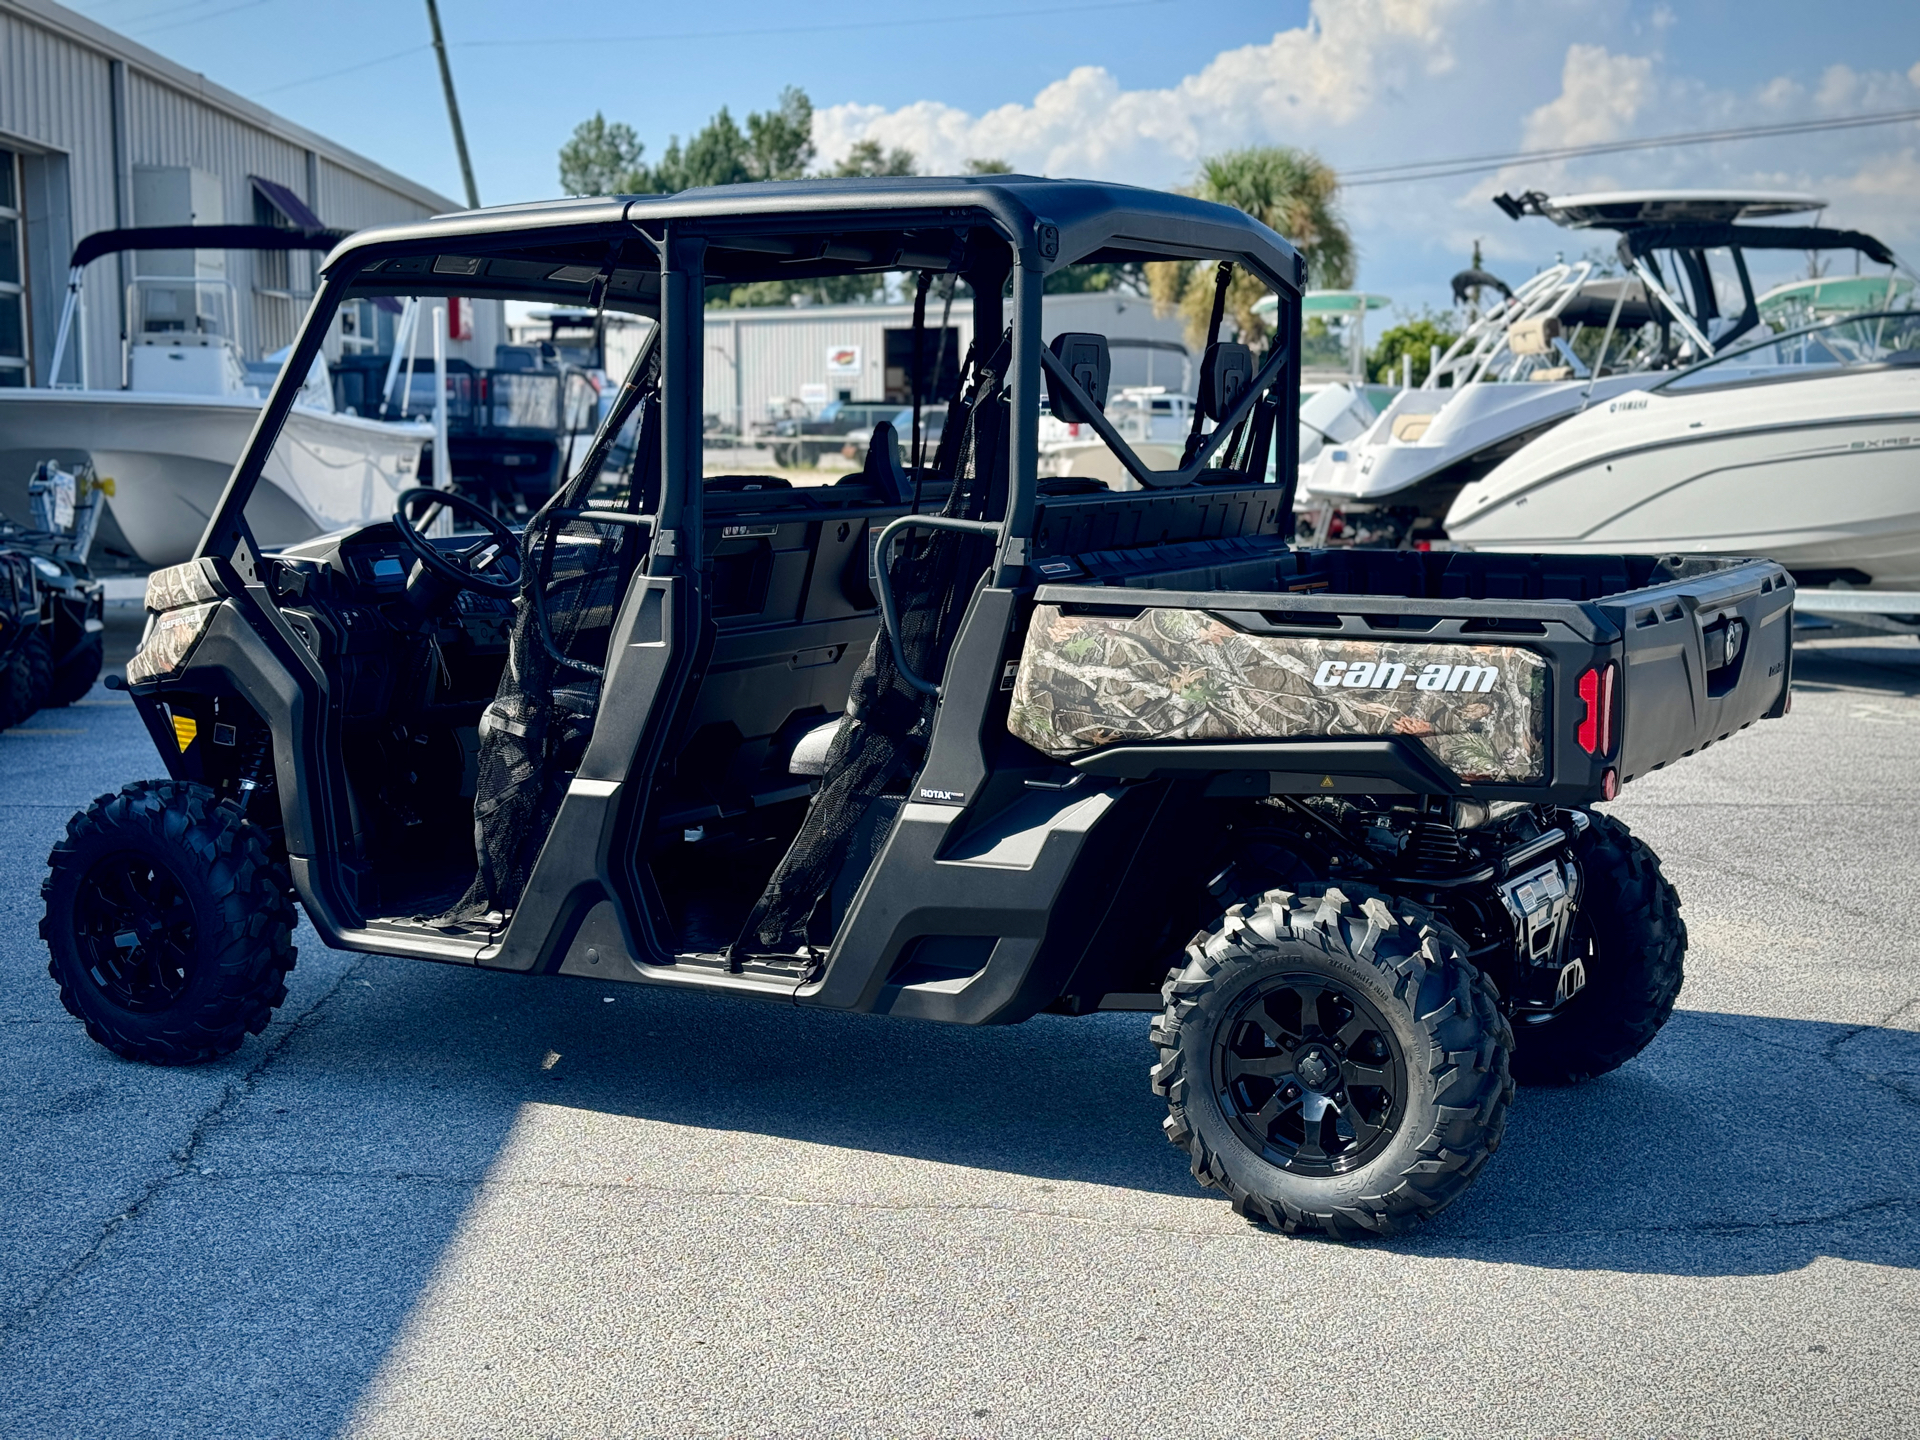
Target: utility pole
{"x":453,"y":106}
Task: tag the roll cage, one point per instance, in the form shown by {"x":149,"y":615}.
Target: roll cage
{"x":654,"y":257}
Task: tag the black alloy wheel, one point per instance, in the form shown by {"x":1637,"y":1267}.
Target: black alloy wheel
{"x":1310,"y":1076}
{"x":134,"y":927}
{"x":1332,"y":1061}
{"x":169,"y":923}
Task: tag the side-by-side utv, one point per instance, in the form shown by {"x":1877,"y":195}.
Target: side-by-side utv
{"x":941,"y":740}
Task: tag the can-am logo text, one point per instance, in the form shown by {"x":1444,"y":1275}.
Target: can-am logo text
{"x":1369,"y":675}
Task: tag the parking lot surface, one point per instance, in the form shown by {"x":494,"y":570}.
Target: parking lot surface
{"x":434,"y":1202}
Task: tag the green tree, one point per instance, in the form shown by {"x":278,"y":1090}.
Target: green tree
{"x":1289,"y":190}
{"x":1128,"y":279}
{"x":987,"y":167}
{"x":780,"y":141}
{"x":1414,"y":338}
{"x":777,"y":144}
{"x":869,"y":157}
{"x":602,"y":159}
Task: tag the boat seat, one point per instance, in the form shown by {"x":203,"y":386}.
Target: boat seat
{"x":810,"y":754}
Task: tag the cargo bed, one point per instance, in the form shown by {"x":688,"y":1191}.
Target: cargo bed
{"x":1539,"y":678}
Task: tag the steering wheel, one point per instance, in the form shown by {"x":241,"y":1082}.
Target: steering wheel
{"x":466,"y":568}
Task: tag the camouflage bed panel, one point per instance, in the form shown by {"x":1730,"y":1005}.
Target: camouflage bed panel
{"x":1087,"y":681}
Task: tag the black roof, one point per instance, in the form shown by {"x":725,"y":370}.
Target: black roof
{"x":799,"y":229}
{"x":201,"y":237}
{"x":1712,"y":236}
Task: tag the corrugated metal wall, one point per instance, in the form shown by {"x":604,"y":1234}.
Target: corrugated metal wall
{"x":56,"y":95}
{"x":756,"y":356}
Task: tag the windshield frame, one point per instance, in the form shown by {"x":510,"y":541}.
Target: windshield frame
{"x":1681,"y":382}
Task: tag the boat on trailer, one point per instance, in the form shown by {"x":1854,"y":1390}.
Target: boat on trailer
{"x":1803,"y":447}
{"x":168,"y":439}
{"x":1571,"y":338}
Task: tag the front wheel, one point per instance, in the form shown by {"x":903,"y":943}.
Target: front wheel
{"x":1333,"y":1063}
{"x":1631,"y":942}
{"x":168,"y":925}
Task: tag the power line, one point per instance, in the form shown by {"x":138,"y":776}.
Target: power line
{"x":962,"y":17}
{"x":1476,"y":164}
{"x":344,"y":70}
{"x":192,"y":19}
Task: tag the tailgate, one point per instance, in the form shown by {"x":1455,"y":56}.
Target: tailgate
{"x":1703,"y":656}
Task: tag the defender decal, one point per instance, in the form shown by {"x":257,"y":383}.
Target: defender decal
{"x":1086,"y":681}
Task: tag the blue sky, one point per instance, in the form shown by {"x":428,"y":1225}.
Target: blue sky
{"x":1136,"y":91}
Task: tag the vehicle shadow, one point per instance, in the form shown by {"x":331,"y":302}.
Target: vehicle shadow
{"x":1736,"y":1145}
{"x":325,"y":1197}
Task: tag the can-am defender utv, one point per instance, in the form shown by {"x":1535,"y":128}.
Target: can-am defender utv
{"x":943,"y":739}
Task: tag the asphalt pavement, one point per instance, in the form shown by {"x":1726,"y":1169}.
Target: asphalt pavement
{"x":434,"y":1202}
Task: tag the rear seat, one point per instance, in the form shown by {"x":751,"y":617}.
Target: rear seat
{"x":794,"y":615}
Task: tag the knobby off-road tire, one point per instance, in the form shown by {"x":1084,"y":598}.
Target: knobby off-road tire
{"x":1631,"y":938}
{"x":168,"y":925}
{"x":1351,"y":1002}
{"x":74,"y":676}
{"x":25,"y":681}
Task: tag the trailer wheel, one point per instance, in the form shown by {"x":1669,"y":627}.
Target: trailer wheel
{"x":168,"y":925}
{"x":1332,"y":1063}
{"x":24,"y":680}
{"x":74,"y":676}
{"x":1632,"y":942}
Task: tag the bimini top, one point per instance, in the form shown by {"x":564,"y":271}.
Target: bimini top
{"x":1629,"y":209}
{"x":579,"y":252}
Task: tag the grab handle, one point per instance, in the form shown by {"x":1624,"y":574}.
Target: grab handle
{"x":883,"y":581}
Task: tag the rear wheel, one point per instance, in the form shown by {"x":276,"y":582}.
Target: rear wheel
{"x":168,"y":925}
{"x":74,"y":676}
{"x":1332,"y":1063}
{"x":1631,"y":941}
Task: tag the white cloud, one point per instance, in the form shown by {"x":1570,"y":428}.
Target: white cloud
{"x":1330,"y":72}
{"x":1379,"y":81}
{"x":1601,"y":96}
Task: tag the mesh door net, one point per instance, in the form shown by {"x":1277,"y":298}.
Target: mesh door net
{"x":882,"y":737}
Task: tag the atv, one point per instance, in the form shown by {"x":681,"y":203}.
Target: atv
{"x":941,"y":739}
{"x":52,"y":624}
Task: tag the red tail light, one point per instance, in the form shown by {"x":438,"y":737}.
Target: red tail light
{"x":1595,"y":731}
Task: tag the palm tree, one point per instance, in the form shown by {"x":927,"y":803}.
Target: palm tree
{"x":1288,"y":190}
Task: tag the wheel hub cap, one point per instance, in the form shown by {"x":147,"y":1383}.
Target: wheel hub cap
{"x":1315,"y":1068}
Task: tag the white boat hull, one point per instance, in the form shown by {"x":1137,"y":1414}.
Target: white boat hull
{"x":169,"y":457}
{"x":1818,"y":474}
{"x":1399,"y":453}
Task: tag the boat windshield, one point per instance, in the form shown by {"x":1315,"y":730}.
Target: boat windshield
{"x":1843,"y":343}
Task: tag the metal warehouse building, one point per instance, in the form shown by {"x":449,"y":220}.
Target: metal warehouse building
{"x":759,"y":360}
{"x":98,"y":133}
